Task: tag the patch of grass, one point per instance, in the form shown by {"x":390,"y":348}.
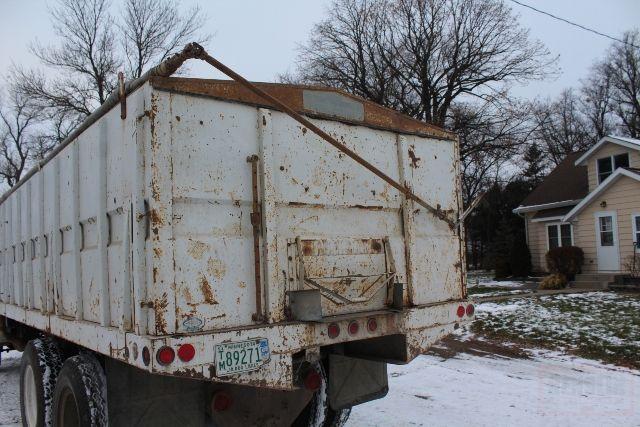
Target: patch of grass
{"x":596,"y":325}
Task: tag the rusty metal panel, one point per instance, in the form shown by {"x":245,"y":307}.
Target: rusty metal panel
{"x":212,"y":197}
{"x":435,"y":266}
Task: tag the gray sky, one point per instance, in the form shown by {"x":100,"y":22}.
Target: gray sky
{"x":258,"y":38}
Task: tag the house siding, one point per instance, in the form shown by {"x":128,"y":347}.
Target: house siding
{"x":605,"y":151}
{"x":623,"y":197}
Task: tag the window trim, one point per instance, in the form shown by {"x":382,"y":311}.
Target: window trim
{"x":635,"y":230}
{"x":558,"y":224}
{"x":613,"y":165}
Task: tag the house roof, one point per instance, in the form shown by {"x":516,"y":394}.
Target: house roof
{"x":566,"y":185}
{"x":555,"y":213}
{"x":314,"y":101}
{"x":619,"y":140}
{"x":619,"y":173}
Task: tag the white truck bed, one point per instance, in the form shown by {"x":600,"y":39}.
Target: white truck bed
{"x":139,"y":233}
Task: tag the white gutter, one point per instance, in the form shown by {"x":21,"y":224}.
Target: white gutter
{"x":533,"y":208}
{"x":547,"y":219}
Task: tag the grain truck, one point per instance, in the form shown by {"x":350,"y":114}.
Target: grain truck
{"x":220,"y":252}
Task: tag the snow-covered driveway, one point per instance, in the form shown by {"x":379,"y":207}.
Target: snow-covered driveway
{"x":547,"y":389}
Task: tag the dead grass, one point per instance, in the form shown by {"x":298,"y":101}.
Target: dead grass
{"x":598,"y":325}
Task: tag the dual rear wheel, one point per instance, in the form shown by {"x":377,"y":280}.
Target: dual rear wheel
{"x":52,"y":392}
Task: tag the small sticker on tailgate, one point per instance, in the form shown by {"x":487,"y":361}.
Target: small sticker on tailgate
{"x":242,"y":356}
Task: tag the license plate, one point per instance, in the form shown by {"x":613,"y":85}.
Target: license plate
{"x":241,"y":356}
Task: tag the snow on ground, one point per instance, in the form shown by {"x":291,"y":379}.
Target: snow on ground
{"x":548,"y":389}
{"x":9,"y":389}
{"x":486,"y":280}
{"x":482,"y":284}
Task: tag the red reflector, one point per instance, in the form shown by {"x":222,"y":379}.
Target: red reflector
{"x":186,"y":352}
{"x":333,"y":330}
{"x":313,"y":381}
{"x":460,"y":311}
{"x":470,"y":310}
{"x":372,"y":325}
{"x":221,"y":401}
{"x":353,"y":328}
{"x":165,"y":355}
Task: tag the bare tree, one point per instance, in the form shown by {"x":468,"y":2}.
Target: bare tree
{"x":421,"y":55}
{"x":561,"y":126}
{"x":490,"y":137}
{"x":154,"y":29}
{"x":622,"y":65}
{"x":597,"y":103}
{"x":82,"y":64}
{"x":344,"y":51}
{"x":84,"y":61}
{"x":20,"y":141}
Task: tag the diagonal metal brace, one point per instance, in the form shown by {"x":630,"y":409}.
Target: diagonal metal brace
{"x":435,"y":211}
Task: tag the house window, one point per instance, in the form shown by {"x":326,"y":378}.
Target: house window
{"x":606,"y":230}
{"x":607,"y":165}
{"x":559,"y":235}
{"x":636,"y":231}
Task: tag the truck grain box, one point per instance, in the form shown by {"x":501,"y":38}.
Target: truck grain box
{"x":194,"y":254}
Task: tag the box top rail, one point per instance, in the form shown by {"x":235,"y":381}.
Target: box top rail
{"x":315,"y":101}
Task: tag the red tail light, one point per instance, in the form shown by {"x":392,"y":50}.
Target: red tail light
{"x":333,"y":330}
{"x":186,"y":352}
{"x":470,"y":310}
{"x":372,"y":325}
{"x":354,"y":327}
{"x":313,"y":380}
{"x":221,"y":401}
{"x":165,"y":355}
{"x":460,"y":311}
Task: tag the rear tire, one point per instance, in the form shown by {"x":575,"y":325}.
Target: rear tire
{"x":80,"y":395}
{"x":318,"y":413}
{"x":39,"y":367}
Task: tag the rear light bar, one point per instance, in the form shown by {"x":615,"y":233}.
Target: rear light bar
{"x":461,"y":311}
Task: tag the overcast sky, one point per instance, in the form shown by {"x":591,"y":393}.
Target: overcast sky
{"x":258,"y":38}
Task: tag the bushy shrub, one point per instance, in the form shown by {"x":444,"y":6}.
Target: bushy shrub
{"x":566,"y":260}
{"x":553,"y":281}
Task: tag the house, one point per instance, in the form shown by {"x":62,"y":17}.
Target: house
{"x":590,"y":200}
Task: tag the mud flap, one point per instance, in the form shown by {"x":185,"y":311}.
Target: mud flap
{"x":353,"y":381}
